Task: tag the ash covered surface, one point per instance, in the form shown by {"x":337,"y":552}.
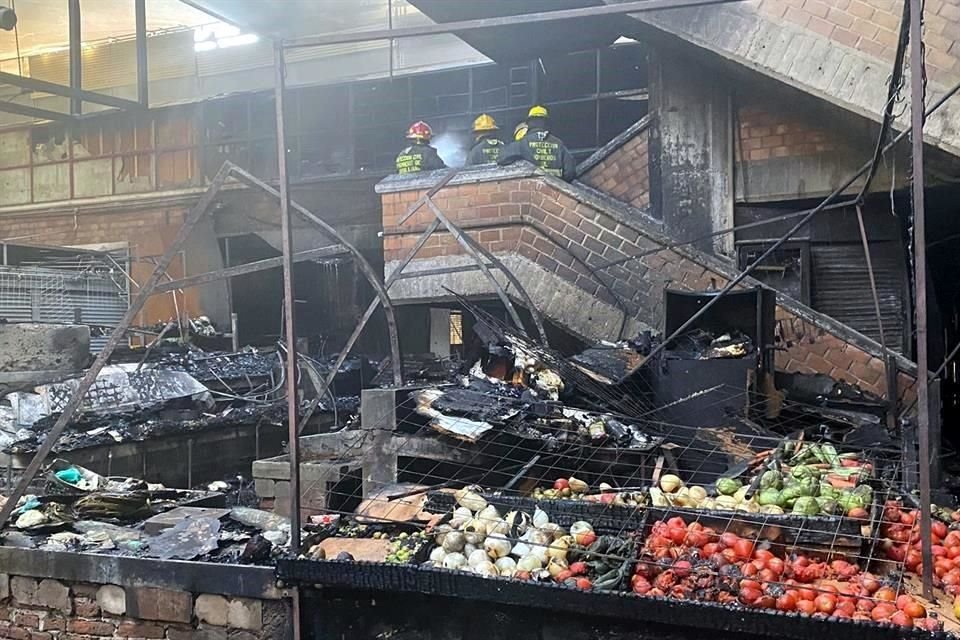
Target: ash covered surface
{"x":138,"y":425}
{"x":209,"y":367}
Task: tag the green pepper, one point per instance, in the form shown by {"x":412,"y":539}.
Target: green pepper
{"x":832,"y":458}
{"x":771,"y":480}
{"x":828,"y":506}
{"x":769,"y":496}
{"x":804,"y":471}
{"x":806,"y":506}
{"x":791,"y":493}
{"x":728,"y":486}
{"x":849,"y":500}
{"x":809,"y":486}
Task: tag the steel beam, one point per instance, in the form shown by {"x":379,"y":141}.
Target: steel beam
{"x":42,"y":86}
{"x":250,"y":267}
{"x":144,"y":293}
{"x":500,"y":22}
{"x":481,"y":256}
{"x":361,"y":262}
{"x":143,"y":72}
{"x":33,"y":112}
{"x":289,"y":314}
{"x":917,"y":94}
{"x":75,"y":55}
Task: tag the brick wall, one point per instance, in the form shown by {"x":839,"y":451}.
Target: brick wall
{"x":624,"y":173}
{"x":45,"y":609}
{"x":871,"y":26}
{"x":567,"y":232}
{"x":768,"y":132}
{"x":147,"y":233}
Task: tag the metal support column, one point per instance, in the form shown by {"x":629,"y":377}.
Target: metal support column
{"x":143,"y":76}
{"x":920,"y":285}
{"x":290,"y":329}
{"x":76,"y":60}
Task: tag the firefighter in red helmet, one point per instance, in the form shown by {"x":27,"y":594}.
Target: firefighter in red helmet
{"x":419,"y":156}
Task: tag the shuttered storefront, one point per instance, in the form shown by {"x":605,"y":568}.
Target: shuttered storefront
{"x":841,"y":289}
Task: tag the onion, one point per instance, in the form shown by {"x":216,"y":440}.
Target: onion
{"x":555,"y":566}
{"x":558,"y":550}
{"x":442,"y":532}
{"x":578,"y":486}
{"x":697,"y":495}
{"x":477,"y":557}
{"x":486,"y":569}
{"x":539,"y":538}
{"x":553,"y":529}
{"x":489,"y":514}
{"x":469,"y":548}
{"x":580,"y":527}
{"x":520,"y":549}
{"x":540,"y":518}
{"x":437,"y":555}
{"x":497,"y":547}
{"x":475,"y":531}
{"x":498,"y":528}
{"x":461,"y":516}
{"x":470,"y":499}
{"x":670,"y":483}
{"x":506,"y":566}
{"x":454,"y":561}
{"x":529,"y":563}
{"x":454,"y":541}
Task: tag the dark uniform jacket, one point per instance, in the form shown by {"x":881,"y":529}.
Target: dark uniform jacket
{"x":418,"y":157}
{"x":485,"y":151}
{"x":543,"y":149}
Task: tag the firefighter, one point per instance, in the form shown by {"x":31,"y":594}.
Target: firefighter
{"x":520,"y":130}
{"x":488,"y":146}
{"x":541,"y":147}
{"x":419,"y":156}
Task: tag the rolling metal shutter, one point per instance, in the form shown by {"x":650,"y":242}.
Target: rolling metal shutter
{"x":841,"y":288}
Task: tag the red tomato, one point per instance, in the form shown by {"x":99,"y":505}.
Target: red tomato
{"x":787,"y":602}
{"x":908,"y":517}
{"x":848,"y":608}
{"x":842,"y":613}
{"x":677,"y":534}
{"x":807,"y":607}
{"x":913,"y":559}
{"x":748,"y":570}
{"x":763,"y":554}
{"x":882,"y":611}
{"x":938,"y":529}
{"x":750,"y":595}
{"x":729,"y":555}
{"x":696,"y":539}
{"x":886,"y":594}
{"x":743,"y":548}
{"x":864,"y":604}
{"x":870,"y":583}
{"x":709,"y":549}
{"x":952,"y":577}
{"x":728,"y":539}
{"x":807,"y":594}
{"x":915,"y":610}
{"x":766,"y":575}
{"x":583,"y":583}
{"x":953,"y":551}
{"x":561,"y":483}
{"x":578,"y":568}
{"x":564,"y":575}
{"x":826,"y":603}
{"x":901,"y":619}
{"x":828,"y":588}
{"x":682,"y":568}
{"x":677,"y":521}
{"x":776,"y":565}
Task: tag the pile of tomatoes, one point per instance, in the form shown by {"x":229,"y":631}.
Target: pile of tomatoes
{"x":693,"y":562}
{"x":901,"y":542}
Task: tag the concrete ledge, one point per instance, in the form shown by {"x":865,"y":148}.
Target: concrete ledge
{"x":196,"y":577}
{"x":600,"y":154}
{"x":467,"y":175}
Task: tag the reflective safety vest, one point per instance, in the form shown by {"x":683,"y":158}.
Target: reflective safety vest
{"x":417,"y":158}
{"x":543,"y":149}
{"x":485,"y":151}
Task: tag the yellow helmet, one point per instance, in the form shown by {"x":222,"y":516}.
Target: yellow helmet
{"x":538,"y":111}
{"x":520,"y":131}
{"x":484,"y":123}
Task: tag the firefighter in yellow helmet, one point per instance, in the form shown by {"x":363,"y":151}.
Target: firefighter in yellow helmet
{"x":541,"y":148}
{"x":520,"y":130}
{"x":419,"y":156}
{"x":488,"y":146}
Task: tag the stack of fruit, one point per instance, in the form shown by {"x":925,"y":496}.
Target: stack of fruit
{"x":690,"y":561}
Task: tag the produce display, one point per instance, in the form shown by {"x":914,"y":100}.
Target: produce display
{"x":575,"y":489}
{"x":688,"y":561}
{"x":797,"y":478}
{"x":481,"y":540}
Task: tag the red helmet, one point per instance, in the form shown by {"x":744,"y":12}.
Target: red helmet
{"x":420,"y":130}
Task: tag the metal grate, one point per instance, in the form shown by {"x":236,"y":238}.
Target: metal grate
{"x":62,"y":296}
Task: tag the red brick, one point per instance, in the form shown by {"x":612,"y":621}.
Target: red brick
{"x":90,"y":627}
{"x":133,"y":629}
